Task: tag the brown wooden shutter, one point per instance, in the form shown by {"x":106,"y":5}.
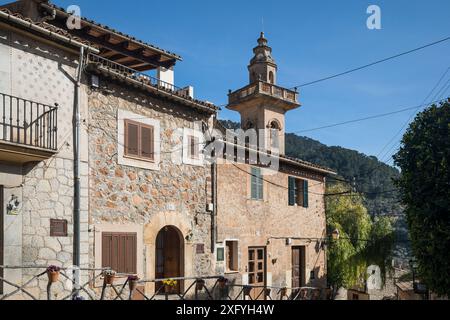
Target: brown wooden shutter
{"x":196,"y":147}
{"x":147,"y":142}
{"x":193,"y":145}
{"x":119,"y":252}
{"x":131,"y":138}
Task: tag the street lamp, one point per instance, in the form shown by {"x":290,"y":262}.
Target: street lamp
{"x":335,"y":234}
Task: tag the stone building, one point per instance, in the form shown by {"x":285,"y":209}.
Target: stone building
{"x":152,"y":204}
{"x":38,"y":71}
{"x":270,"y":219}
{"x":145,"y":185}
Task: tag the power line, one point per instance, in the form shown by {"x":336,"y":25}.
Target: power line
{"x":371,"y":64}
{"x":345,"y":193}
{"x":404,"y":125}
{"x":361,"y":119}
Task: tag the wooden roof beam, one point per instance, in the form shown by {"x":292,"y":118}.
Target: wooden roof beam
{"x":103,"y":42}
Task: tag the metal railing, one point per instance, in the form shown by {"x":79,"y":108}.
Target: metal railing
{"x":134,"y":74}
{"x":105,"y":284}
{"x":28,"y":123}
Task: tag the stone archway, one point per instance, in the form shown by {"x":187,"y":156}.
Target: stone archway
{"x":176,"y":221}
{"x":169,"y":262}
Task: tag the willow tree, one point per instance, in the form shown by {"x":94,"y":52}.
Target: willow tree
{"x":362,"y":241}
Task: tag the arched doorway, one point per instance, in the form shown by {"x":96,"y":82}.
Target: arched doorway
{"x":169,"y":256}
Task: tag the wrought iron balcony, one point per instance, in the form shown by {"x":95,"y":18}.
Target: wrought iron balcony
{"x":28,"y":130}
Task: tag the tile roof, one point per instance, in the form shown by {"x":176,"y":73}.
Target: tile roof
{"x":47,"y":26}
{"x":145,"y":82}
{"x":107,"y":28}
{"x":295,"y":161}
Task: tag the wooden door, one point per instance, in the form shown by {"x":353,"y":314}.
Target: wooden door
{"x":298,"y":268}
{"x":168,"y":256}
{"x":257,"y":272}
{"x":1,"y":237}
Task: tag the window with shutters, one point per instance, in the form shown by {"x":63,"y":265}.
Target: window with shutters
{"x":194,"y":147}
{"x":119,"y":252}
{"x":298,"y":192}
{"x":139,"y":141}
{"x":257,"y":184}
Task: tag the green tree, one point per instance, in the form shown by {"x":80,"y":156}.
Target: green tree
{"x":362,"y":241}
{"x":425,"y":191}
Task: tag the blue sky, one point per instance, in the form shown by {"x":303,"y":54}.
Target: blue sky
{"x":310,"y":40}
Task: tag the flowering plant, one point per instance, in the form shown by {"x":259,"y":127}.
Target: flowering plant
{"x":109,"y":273}
{"x":133,"y":278}
{"x":53,"y":269}
{"x":169,"y":283}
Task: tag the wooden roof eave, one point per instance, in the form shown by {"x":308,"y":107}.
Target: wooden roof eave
{"x":324,"y":171}
{"x":116,"y":44}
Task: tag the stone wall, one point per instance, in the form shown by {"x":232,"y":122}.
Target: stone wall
{"x":35,"y":70}
{"x":256,"y":223}
{"x":144,"y":199}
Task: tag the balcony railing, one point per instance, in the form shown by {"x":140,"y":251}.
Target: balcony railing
{"x":136,"y":75}
{"x":264,"y":88}
{"x":28,"y":123}
{"x":121,"y":72}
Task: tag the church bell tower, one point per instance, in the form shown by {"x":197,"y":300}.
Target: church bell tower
{"x":262,"y":104}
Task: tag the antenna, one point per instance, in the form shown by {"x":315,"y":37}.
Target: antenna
{"x":262,"y":23}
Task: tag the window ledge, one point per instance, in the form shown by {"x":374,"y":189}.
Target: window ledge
{"x":139,"y":159}
{"x":231,"y":272}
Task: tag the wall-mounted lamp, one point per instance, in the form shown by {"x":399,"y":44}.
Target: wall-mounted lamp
{"x":13,"y":206}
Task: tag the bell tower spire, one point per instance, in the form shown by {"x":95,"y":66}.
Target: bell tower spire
{"x":262,"y":66}
{"x":262,"y":104}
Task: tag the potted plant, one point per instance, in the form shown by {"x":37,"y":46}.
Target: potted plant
{"x":200,"y":284}
{"x":169,"y":285}
{"x":109,"y":276}
{"x":53,"y":273}
{"x":222,"y":282}
{"x":133,"y":282}
{"x":247,"y":290}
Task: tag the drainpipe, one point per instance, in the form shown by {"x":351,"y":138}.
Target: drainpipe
{"x":214,"y":213}
{"x":76,"y":174}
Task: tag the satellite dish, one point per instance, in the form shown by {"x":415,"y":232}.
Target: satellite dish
{"x":374,"y":281}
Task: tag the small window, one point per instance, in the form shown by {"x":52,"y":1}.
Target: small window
{"x":119,"y":252}
{"x":275,"y":132}
{"x":298,"y":192}
{"x":139,"y":140}
{"x":194,"y":147}
{"x":231,"y":248}
{"x":220,"y":254}
{"x":257,"y":184}
{"x":271,"y":77}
